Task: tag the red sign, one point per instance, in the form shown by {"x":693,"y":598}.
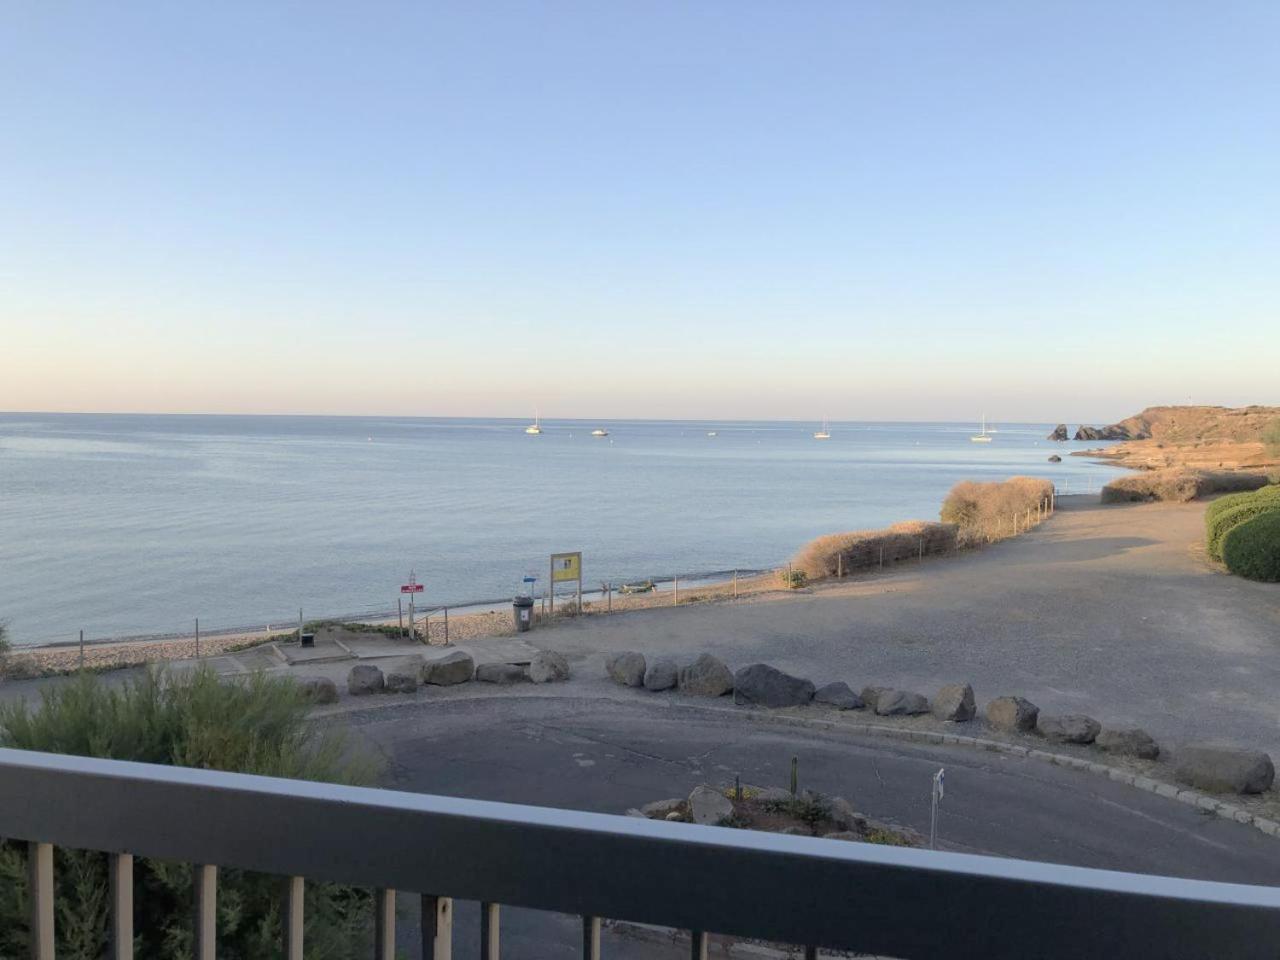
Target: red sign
{"x":411,"y":588}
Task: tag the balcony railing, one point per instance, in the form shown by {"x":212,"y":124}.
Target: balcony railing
{"x":795,"y":890}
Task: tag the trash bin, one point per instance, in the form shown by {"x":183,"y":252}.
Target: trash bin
{"x":522,"y":607}
{"x":308,"y":639}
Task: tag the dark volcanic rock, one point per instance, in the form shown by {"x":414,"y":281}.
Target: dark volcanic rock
{"x":1113,"y":432}
{"x":769,"y":687}
{"x":1130,"y":742}
{"x":1059,"y":433}
{"x":901,"y":703}
{"x":838,"y":695}
{"x":1055,"y":459}
{"x":1069,"y":728}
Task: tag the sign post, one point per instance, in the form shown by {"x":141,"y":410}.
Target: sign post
{"x":566,"y":568}
{"x":412,"y":588}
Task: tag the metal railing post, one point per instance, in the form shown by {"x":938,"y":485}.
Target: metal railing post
{"x":590,"y":938}
{"x":490,"y":921}
{"x":206,"y":907}
{"x":697,"y":945}
{"x":384,"y":925}
{"x":120,"y":945}
{"x":40,"y":873}
{"x":437,"y":928}
{"x":293,"y":919}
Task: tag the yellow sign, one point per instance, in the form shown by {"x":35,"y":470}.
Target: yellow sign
{"x":566,"y":567}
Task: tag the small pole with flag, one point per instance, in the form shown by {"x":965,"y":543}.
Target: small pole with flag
{"x":939,"y":791}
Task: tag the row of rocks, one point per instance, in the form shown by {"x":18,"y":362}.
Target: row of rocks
{"x":1220,"y":769}
{"x":705,"y":676}
{"x":457,"y":666}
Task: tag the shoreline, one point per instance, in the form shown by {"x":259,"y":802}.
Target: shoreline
{"x":467,"y":622}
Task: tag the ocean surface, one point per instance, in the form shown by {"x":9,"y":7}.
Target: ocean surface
{"x":127,"y":525}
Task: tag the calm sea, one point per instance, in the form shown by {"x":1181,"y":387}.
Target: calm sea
{"x":127,"y":525}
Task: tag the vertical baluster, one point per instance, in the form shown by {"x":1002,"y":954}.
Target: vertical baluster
{"x":293,"y":917}
{"x":206,"y":928}
{"x":40,"y":874}
{"x":489,"y":921}
{"x":384,"y":938}
{"x":437,"y":928}
{"x":810,"y":953}
{"x":590,"y":938}
{"x":698,"y":945}
{"x":121,"y":869}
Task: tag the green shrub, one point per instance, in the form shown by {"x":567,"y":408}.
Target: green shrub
{"x":1224,"y":522}
{"x":194,"y":720}
{"x":1252,"y":549}
{"x":4,"y":639}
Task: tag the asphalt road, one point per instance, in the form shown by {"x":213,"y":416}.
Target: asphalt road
{"x":1106,"y":610}
{"x":607,"y":756}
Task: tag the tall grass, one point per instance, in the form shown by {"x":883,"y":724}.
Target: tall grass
{"x":195,"y":720}
{"x":985,"y":512}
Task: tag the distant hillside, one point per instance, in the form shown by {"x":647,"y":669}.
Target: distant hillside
{"x":1201,"y":437}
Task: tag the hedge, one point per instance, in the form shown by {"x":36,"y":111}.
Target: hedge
{"x":1252,"y":549}
{"x":1223,"y":504}
{"x":1224,"y":522}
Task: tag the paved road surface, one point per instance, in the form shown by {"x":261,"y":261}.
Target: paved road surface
{"x":1108,"y":610}
{"x":607,"y":756}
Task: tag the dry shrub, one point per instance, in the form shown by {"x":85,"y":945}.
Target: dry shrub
{"x":828,"y":556}
{"x":985,"y":511}
{"x":1179,"y":485}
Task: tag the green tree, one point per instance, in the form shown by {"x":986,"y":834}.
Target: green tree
{"x":191,"y":719}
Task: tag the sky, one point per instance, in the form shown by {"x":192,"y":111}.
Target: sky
{"x":720,"y":209}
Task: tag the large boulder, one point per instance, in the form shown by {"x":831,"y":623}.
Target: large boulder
{"x":548,"y":666}
{"x":870,"y":695}
{"x":365,"y":679}
{"x":503,"y":674}
{"x":1059,"y":433}
{"x":319,"y":689}
{"x":843,"y":815}
{"x":1013,"y":714}
{"x":456,"y":666}
{"x":403,"y":677}
{"x":1128,"y":742}
{"x":626,"y":668}
{"x":1068,"y":728}
{"x":901,"y":703}
{"x":838,"y":695}
{"x":706,"y":677}
{"x":1224,"y":769}
{"x":768,"y":686}
{"x":662,"y":674}
{"x":954,"y":702}
{"x":709,"y":806}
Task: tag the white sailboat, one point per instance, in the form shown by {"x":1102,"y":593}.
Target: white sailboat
{"x":534,"y":428}
{"x":825,"y":432}
{"x":984,"y":436}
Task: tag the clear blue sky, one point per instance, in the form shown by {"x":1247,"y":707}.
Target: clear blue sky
{"x":1040,"y":210}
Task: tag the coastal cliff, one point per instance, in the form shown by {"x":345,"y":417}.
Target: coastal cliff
{"x":1211,"y":438}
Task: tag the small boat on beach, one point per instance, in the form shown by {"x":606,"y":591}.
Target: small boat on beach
{"x":645,"y":587}
{"x":985,"y":435}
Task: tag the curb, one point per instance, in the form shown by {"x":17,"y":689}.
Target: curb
{"x":1192,"y":798}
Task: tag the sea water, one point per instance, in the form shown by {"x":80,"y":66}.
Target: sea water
{"x":126,"y":525}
